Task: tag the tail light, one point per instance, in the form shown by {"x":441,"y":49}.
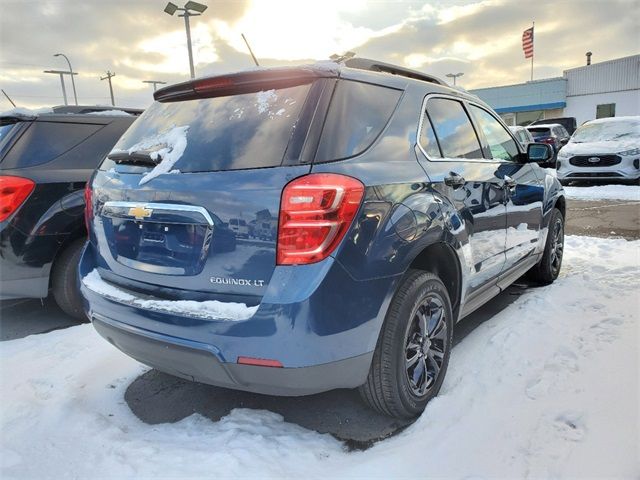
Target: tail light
{"x":549,"y":141}
{"x":88,"y":205}
{"x":315,"y":213}
{"x":13,"y":192}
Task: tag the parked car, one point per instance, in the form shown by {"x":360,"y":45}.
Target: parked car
{"x":239,"y":227}
{"x":45,"y":161}
{"x":392,"y":226}
{"x":551,"y":134}
{"x":522,"y":135}
{"x":603,"y":149}
{"x":569,"y":123}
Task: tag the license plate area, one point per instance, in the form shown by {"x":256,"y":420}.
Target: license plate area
{"x":165,"y":242}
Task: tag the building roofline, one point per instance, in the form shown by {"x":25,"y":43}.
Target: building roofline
{"x":542,"y":80}
{"x":613,"y":60}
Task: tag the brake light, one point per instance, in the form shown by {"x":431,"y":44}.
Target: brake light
{"x":88,"y":205}
{"x":315,"y":213}
{"x":13,"y":192}
{"x":549,"y":141}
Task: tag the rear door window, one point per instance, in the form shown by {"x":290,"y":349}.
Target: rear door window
{"x":501,"y":145}
{"x":235,"y":132}
{"x":428,"y":140}
{"x":454,"y":130}
{"x":357,"y":115}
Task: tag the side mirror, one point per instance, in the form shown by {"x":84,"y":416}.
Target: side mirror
{"x":539,"y":152}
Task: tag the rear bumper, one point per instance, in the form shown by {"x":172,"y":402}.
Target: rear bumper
{"x":319,"y":322}
{"x":200,"y":363}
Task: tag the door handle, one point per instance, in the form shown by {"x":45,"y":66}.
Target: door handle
{"x":454,"y":180}
{"x":509,"y":183}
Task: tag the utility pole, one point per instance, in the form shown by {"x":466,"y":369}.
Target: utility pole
{"x":250,"y":51}
{"x":62,"y":73}
{"x":108,"y":77}
{"x":155,"y":83}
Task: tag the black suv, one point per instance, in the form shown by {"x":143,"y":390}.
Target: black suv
{"x":45,"y":161}
{"x":384,"y":206}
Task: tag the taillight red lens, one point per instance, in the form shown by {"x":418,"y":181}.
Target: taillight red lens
{"x":13,"y":192}
{"x":88,"y":205}
{"x":315,"y":213}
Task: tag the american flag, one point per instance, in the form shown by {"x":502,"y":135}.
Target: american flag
{"x":527,"y":42}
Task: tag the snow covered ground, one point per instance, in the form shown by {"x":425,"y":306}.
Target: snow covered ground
{"x":547,"y":388}
{"x":604,"y":192}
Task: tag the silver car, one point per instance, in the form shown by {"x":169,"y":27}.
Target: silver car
{"x":603,"y":149}
{"x":523,"y":135}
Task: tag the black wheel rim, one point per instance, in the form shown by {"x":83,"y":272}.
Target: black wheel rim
{"x":425,"y":345}
{"x":557,"y":246}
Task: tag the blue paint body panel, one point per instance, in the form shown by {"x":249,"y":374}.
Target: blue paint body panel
{"x":327,"y":314}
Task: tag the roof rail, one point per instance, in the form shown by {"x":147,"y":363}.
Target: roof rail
{"x":375,"y":66}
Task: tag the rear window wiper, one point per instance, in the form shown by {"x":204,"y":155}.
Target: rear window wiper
{"x":138,"y":157}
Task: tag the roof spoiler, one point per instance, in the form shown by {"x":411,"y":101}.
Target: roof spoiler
{"x":242,"y":82}
{"x":376,"y":66}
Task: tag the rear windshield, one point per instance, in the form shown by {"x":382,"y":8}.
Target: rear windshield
{"x":357,"y":115}
{"x":224,"y":133}
{"x":45,"y":141}
{"x":539,"y":132}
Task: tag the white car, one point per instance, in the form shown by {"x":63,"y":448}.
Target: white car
{"x":603,"y":149}
{"x":522,"y":135}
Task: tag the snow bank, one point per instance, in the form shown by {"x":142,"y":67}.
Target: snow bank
{"x":211,"y":309}
{"x":168,"y":146}
{"x":604,"y":192}
{"x":547,"y":388}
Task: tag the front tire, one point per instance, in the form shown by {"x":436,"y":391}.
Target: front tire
{"x":412,"y":354}
{"x":548,"y":268}
{"x":64,"y":282}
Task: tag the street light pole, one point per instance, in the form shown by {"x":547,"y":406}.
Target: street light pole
{"x":454,"y":76}
{"x":186,"y":16}
{"x":187,"y":11}
{"x":61,"y":73}
{"x":73,"y":83}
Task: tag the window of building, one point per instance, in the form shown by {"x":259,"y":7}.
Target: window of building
{"x":606,"y":110}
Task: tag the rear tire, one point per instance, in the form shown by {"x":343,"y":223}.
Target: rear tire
{"x":64,"y":283}
{"x":548,"y":268}
{"x":412,"y":354}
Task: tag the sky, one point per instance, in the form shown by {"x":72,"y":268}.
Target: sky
{"x":138,"y":41}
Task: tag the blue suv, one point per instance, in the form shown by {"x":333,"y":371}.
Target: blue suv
{"x":378,"y":207}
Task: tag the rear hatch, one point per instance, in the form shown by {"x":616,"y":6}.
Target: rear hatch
{"x":186,"y":205}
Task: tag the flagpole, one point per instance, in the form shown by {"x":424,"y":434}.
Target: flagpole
{"x":533,"y":34}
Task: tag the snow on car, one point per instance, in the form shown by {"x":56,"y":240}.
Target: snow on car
{"x":546,"y":388}
{"x":603,"y":149}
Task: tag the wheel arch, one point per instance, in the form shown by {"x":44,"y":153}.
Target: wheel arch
{"x":440,"y":259}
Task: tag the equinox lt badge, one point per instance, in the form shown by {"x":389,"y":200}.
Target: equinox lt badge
{"x":237,"y":281}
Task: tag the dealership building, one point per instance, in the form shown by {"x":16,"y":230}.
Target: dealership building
{"x":606,"y":89}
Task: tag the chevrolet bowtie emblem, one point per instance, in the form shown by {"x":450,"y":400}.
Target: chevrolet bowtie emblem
{"x":140,"y":212}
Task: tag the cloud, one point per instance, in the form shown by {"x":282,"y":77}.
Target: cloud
{"x":139,"y":42}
